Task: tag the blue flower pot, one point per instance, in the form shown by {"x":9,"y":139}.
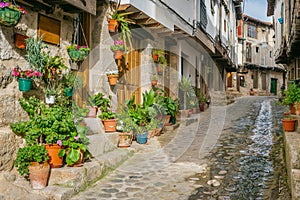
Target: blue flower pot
{"x":142,"y":138}
{"x":25,"y":84}
{"x":69,"y":92}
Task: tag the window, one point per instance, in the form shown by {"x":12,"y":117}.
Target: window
{"x":224,"y":25}
{"x":251,"y":31}
{"x":248,"y":52}
{"x":270,"y":54}
{"x":257,"y":49}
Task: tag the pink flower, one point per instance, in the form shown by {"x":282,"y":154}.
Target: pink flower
{"x":59,"y":142}
{"x":116,"y":42}
{"x":76,"y":137}
{"x":16,"y":73}
{"x":121,"y":42}
{"x":84,"y":47}
{"x":39,"y":74}
{"x":78,"y":47}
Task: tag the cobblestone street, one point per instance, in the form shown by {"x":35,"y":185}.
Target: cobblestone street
{"x":178,"y":165}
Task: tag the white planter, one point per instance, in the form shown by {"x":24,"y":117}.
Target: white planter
{"x":50,"y":99}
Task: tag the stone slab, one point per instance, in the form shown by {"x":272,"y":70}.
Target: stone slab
{"x":102,"y":143}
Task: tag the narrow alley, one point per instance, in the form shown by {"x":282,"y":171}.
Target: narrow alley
{"x":240,"y":165}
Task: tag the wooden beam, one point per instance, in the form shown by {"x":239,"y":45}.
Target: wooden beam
{"x":88,"y":6}
{"x":146,"y":21}
{"x":136,"y":15}
{"x":164,"y":34}
{"x":155,"y":25}
{"x":124,"y":7}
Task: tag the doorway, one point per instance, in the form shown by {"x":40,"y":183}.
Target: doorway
{"x":273,"y":89}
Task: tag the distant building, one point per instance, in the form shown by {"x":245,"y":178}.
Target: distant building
{"x":257,"y":68}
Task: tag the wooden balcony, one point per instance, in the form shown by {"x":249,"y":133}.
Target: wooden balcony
{"x":293,"y":44}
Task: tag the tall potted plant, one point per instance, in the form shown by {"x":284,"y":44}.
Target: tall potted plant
{"x":107,"y":115}
{"x":292,"y":95}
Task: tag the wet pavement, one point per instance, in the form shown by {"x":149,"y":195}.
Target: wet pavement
{"x":227,"y":154}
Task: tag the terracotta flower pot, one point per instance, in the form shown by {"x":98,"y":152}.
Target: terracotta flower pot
{"x":20,"y":41}
{"x":292,"y":109}
{"x":289,"y":124}
{"x":113,"y":25}
{"x":55,"y":161}
{"x":154,"y":83}
{"x":113,"y":78}
{"x":80,"y":162}
{"x":118,"y":55}
{"x":159,"y":70}
{"x":155,"y":57}
{"x":167,"y":120}
{"x":39,"y":174}
{"x":110,"y":125}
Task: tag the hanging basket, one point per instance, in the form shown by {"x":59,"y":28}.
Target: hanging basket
{"x":77,"y":55}
{"x":113,"y":78}
{"x":9,"y":17}
{"x":25,"y":84}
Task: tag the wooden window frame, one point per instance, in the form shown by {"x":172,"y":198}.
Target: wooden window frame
{"x":49,"y":35}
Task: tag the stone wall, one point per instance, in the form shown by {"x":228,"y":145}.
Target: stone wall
{"x":10,"y":57}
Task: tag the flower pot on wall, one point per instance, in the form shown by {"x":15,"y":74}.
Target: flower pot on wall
{"x":118,"y":55}
{"x":9,"y":17}
{"x":155,"y":57}
{"x":55,"y":161}
{"x":69,"y":92}
{"x":154,"y":83}
{"x":20,"y":41}
{"x":113,"y":78}
{"x":159,"y":70}
{"x":25,"y":84}
{"x":110,"y":125}
{"x":39,"y":174}
{"x":113,"y":25}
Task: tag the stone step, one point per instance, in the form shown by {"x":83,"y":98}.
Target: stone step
{"x":67,"y":181}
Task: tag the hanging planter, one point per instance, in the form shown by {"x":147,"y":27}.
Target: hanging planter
{"x":78,"y":53}
{"x":10,"y":14}
{"x":113,"y":25}
{"x":20,"y":41}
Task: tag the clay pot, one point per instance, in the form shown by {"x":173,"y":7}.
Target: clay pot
{"x":118,"y":55}
{"x":112,"y":79}
{"x":93,"y":112}
{"x":289,"y":124}
{"x":113,"y":25}
{"x":55,"y":161}
{"x":39,"y":174}
{"x":110,"y":125}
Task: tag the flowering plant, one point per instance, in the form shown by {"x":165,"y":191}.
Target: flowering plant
{"x":75,"y":47}
{"x":78,"y":53}
{"x":118,"y":45}
{"x":29,"y":73}
{"x":7,"y":4}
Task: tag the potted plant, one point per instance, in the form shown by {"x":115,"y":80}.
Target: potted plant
{"x":156,"y":53}
{"x":50,"y":95}
{"x":112,"y":76}
{"x":292,"y":95}
{"x":107,"y":114}
{"x":92,"y":107}
{"x":289,"y":124}
{"x":162,"y":62}
{"x":71,"y":82}
{"x":36,"y":54}
{"x":185,"y":86}
{"x":154,"y":80}
{"x":78,"y":53}
{"x":32,"y":160}
{"x":25,"y":78}
{"x":119,"y":20}
{"x":10,"y":14}
{"x":124,"y":128}
{"x":118,"y":48}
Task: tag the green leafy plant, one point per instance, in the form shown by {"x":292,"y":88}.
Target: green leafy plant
{"x":70,"y":80}
{"x":36,"y":54}
{"x":185,"y":85}
{"x":154,"y":77}
{"x":28,"y":154}
{"x":292,"y":94}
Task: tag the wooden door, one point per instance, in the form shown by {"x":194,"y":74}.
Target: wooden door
{"x":129,"y":80}
{"x":229,"y":79}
